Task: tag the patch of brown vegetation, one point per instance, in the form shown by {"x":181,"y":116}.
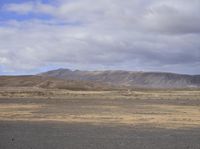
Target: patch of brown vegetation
{"x":167,"y":109}
{"x":50,"y":83}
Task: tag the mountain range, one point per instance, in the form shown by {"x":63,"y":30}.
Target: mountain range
{"x":128,"y":78}
{"x":101,"y":80}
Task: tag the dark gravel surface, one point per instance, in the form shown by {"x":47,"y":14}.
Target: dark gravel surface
{"x":57,"y":135}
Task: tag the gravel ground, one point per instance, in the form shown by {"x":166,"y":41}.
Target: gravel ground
{"x":57,"y":135}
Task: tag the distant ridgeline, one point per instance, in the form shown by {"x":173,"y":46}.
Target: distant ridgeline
{"x":128,"y":78}
{"x":101,"y":80}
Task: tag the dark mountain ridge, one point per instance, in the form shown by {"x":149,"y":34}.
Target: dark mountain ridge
{"x":129,"y":78}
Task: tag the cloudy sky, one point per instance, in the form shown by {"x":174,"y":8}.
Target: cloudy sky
{"x":137,"y":35}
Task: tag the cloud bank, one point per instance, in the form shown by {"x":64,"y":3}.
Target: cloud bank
{"x":136,"y":35}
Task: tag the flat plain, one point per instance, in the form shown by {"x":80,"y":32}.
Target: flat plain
{"x":34,"y":118}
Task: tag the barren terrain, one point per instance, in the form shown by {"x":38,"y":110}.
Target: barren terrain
{"x":49,"y":118}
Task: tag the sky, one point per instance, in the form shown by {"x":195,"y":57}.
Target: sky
{"x":135,"y":35}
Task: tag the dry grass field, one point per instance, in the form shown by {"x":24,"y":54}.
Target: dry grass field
{"x":158,"y":108}
{"x":136,"y":118}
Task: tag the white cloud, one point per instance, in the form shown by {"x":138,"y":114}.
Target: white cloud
{"x":30,"y":7}
{"x":137,"y":34}
{"x":23,"y":8}
{"x":179,"y":16}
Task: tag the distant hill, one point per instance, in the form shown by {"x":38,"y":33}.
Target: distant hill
{"x":50,"y":83}
{"x":101,"y":80}
{"x":128,"y":78}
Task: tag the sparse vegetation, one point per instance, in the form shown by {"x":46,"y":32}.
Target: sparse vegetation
{"x":159,"y":108}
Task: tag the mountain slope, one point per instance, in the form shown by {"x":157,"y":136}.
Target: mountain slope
{"x":128,"y":78}
{"x":50,"y":83}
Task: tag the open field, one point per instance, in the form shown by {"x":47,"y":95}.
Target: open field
{"x":99,"y":119}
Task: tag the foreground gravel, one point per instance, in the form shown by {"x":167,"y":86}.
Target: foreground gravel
{"x":57,"y":135}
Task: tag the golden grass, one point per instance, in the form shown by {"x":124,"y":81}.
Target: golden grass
{"x":61,"y":93}
{"x":146,"y":113}
{"x":156,"y":115}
